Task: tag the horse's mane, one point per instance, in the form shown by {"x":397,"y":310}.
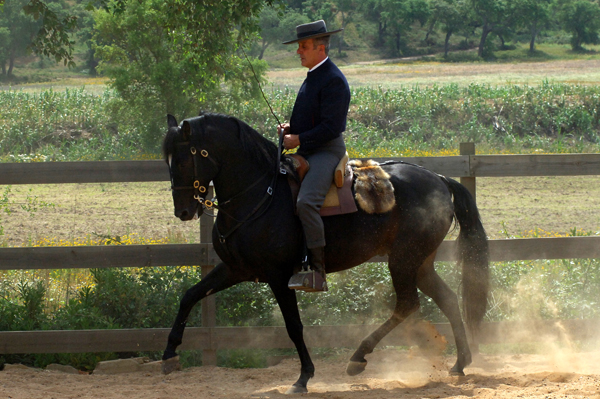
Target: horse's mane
{"x":260,"y":149}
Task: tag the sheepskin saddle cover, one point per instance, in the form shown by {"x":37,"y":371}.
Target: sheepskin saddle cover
{"x":374,"y":191}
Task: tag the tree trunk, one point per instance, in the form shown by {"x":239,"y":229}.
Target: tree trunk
{"x":341,"y":35}
{"x":502,"y":43}
{"x":447,"y":43}
{"x":485,"y":31}
{"x":430,"y":30}
{"x":381,"y":34}
{"x":11,"y":64}
{"x":264,"y":46}
{"x":534,"y":33}
{"x":398,"y":42}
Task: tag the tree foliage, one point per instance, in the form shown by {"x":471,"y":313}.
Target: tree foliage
{"x":581,"y":18}
{"x":493,"y":16}
{"x":17,"y":31}
{"x":177,"y":57}
{"x":534,"y":15}
{"x":276,"y":27}
{"x":450,"y":14}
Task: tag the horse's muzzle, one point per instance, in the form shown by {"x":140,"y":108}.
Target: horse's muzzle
{"x":186,"y":214}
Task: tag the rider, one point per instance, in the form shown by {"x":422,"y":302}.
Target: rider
{"x":316,"y":125}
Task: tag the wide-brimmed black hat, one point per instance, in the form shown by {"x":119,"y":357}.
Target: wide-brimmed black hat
{"x":311,"y":31}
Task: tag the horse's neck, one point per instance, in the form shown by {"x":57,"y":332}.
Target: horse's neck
{"x":238,"y":176}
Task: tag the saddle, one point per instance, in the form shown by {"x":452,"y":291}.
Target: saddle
{"x":339,"y":199}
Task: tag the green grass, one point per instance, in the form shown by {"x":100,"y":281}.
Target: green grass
{"x":550,"y":118}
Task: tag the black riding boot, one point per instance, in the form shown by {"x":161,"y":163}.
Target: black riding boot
{"x":317,"y":260}
{"x":312,"y":280}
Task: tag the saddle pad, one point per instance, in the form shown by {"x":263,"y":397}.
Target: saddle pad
{"x":340,"y":201}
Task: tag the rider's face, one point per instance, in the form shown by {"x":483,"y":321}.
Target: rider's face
{"x":310,"y":55}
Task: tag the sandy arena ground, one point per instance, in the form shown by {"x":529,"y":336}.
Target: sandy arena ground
{"x":390,"y":374}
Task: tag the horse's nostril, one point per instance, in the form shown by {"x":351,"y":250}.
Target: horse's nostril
{"x":182,"y":214}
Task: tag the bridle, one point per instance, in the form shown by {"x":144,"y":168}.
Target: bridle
{"x":201,"y":191}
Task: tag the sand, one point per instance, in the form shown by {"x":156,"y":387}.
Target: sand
{"x":390,"y":374}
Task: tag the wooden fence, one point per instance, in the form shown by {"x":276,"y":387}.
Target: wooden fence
{"x":209,"y":338}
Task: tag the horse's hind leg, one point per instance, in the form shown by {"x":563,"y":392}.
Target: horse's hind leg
{"x":430,"y":283}
{"x":407,"y":301}
{"x":217,"y":280}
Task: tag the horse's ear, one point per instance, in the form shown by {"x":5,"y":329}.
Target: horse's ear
{"x":171,"y":121}
{"x":186,"y":130}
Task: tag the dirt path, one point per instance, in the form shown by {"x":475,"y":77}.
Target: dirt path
{"x":390,"y":374}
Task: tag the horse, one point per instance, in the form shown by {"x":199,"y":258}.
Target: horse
{"x":258,"y":236}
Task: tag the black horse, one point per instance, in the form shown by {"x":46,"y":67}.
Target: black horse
{"x":258,"y":237}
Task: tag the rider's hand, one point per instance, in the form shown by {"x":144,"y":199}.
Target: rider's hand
{"x":283,"y":128}
{"x":291,"y":141}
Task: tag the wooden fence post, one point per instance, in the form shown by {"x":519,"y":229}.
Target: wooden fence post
{"x":208,"y":304}
{"x":468,"y":182}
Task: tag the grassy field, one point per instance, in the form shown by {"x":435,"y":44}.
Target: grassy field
{"x":394,"y":75}
{"x":509,"y":207}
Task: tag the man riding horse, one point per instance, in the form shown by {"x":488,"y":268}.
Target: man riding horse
{"x":316,"y":126}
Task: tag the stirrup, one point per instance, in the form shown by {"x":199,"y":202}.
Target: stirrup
{"x":309,"y":281}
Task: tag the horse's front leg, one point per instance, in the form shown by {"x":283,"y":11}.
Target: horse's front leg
{"x":286,"y":298}
{"x":217,"y":280}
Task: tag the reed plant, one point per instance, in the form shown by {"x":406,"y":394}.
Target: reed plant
{"x":546,"y":118}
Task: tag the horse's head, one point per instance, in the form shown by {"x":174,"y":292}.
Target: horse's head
{"x":191,"y":168}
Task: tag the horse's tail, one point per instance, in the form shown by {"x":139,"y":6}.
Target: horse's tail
{"x":473,"y":255}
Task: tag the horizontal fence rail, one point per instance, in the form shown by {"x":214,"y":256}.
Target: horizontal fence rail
{"x":85,"y":257}
{"x":466,"y":166}
{"x":453,"y":166}
{"x":203,"y":338}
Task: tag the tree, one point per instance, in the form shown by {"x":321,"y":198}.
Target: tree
{"x":399,"y":15}
{"x":534,"y":16}
{"x":269,"y":22}
{"x":52,"y":37}
{"x":17,"y":31}
{"x":451,"y":14}
{"x":581,"y":18}
{"x":84,"y":34}
{"x":493,"y":16}
{"x":371,"y":11}
{"x":164,"y":57}
{"x":345,"y":8}
{"x":274,"y":28}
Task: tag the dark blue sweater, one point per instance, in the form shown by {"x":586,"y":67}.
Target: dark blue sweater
{"x":321,"y":107}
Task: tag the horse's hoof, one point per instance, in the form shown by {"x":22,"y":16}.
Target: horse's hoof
{"x":294,"y":389}
{"x":170,"y":365}
{"x":455,"y":371}
{"x":355,"y":368}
